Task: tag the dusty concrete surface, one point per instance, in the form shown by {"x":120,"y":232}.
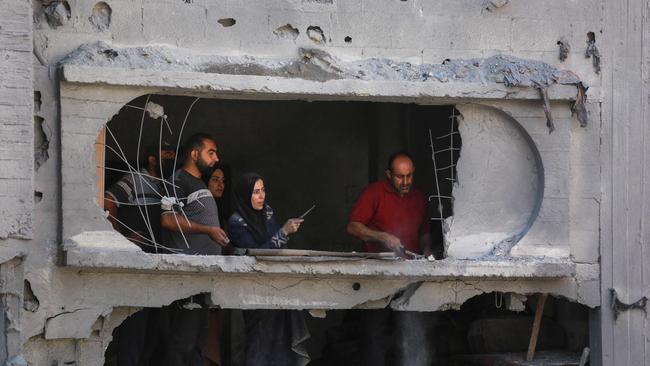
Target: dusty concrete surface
{"x":83,"y":254}
{"x":498,"y":160}
{"x":625,"y":184}
{"x":319,"y":65}
{"x":364,"y":52}
{"x":16,"y":121}
{"x":11,"y":301}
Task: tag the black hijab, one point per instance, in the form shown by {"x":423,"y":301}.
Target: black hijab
{"x":256,"y":220}
{"x":223,"y":203}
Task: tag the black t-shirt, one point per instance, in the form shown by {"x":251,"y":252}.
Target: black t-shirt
{"x":198,"y":205}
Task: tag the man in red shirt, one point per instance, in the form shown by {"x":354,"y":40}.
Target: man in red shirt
{"x":391,"y":215}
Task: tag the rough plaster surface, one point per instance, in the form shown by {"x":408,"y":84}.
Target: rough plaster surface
{"x":16,"y":168}
{"x":16,"y":122}
{"x":77,"y":323}
{"x":11,"y":297}
{"x":498,"y":184}
{"x":624,"y":202}
{"x":250,"y":282}
{"x":83,"y":255}
{"x":69,"y":351}
{"x":422,"y":33}
{"x":275,"y":87}
{"x":319,"y":65}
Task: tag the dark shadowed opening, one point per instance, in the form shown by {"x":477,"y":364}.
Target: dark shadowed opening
{"x":491,"y":329}
{"x":310,"y":153}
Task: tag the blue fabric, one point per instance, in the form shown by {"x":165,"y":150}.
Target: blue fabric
{"x":241,"y":237}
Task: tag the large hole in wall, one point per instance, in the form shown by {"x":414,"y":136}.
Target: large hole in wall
{"x":310,"y":153}
{"x":488,"y":329}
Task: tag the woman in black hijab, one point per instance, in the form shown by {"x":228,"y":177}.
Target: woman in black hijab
{"x":253,"y":225}
{"x":273,"y":337}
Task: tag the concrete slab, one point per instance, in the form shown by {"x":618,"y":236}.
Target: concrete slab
{"x":315,"y":73}
{"x":94,"y":258}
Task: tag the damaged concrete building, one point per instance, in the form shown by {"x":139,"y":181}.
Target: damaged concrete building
{"x":526,"y":120}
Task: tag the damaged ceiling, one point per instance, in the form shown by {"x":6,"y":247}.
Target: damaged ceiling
{"x":319,"y":65}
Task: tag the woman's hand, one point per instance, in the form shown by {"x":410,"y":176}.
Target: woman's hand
{"x":291,"y":226}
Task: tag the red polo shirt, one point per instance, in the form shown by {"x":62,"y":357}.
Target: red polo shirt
{"x":379,"y":207}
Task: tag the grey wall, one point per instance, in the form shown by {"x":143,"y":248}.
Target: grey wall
{"x":624,"y":229}
{"x":16,"y":165}
{"x":16,"y":121}
{"x":498,"y":187}
{"x":422,"y":31}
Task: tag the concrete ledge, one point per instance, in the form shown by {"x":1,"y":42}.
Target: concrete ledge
{"x":8,"y":253}
{"x":95,"y":260}
{"x":245,"y":282}
{"x":259,"y":87}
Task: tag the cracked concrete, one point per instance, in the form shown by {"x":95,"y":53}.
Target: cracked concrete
{"x":405,"y":52}
{"x":77,"y":323}
{"x":495,"y":148}
{"x":318,"y":64}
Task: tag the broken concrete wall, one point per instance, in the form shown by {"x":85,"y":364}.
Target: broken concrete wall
{"x":11,"y":306}
{"x":16,"y":122}
{"x":17,"y":127}
{"x":624,"y":199}
{"x":422,"y":32}
{"x":560,"y":217}
{"x":499,"y":186}
{"x":571,"y":180}
{"x":88,"y":350}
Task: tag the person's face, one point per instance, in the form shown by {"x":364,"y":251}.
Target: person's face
{"x":167,"y":154}
{"x":216,"y":183}
{"x":165,"y":167}
{"x":207,"y":156}
{"x":401,"y":175}
{"x":258,"y":196}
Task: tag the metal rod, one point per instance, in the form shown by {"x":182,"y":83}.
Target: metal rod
{"x":435,"y":171}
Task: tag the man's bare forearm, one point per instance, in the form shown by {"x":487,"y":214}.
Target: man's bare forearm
{"x":363,"y":232}
{"x":367,"y":234}
{"x":173,"y":221}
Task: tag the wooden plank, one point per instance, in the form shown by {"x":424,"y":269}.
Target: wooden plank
{"x":539,"y":311}
{"x":100,"y":157}
{"x":584,"y":358}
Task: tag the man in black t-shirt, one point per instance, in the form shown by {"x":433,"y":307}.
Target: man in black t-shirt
{"x":190,"y":218}
{"x":190,"y":223}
